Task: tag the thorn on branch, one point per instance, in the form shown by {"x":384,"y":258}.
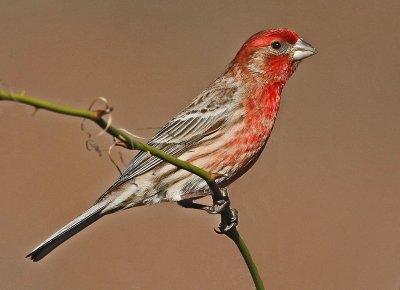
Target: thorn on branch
{"x":102,"y":112}
{"x":214,"y":176}
{"x":120,"y":144}
{"x":35,"y":110}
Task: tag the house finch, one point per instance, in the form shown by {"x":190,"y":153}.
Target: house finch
{"x":223,"y":130}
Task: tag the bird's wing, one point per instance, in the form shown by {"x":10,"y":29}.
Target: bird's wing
{"x":200,"y":119}
{"x":176,"y":137}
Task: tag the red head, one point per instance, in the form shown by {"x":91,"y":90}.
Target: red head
{"x":273,"y":53}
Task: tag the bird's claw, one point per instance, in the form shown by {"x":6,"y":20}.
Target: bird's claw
{"x":229,"y":216}
{"x":233,"y":222}
{"x":217,"y":207}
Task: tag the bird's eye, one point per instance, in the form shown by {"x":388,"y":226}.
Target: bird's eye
{"x":276,"y":45}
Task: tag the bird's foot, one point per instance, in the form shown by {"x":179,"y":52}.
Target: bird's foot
{"x":229,"y":216}
{"x":228,"y":222}
{"x":218,"y":206}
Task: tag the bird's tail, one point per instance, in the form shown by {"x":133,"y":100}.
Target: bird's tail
{"x":85,"y":219}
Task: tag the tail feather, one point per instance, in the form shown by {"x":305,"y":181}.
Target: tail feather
{"x":85,"y":219}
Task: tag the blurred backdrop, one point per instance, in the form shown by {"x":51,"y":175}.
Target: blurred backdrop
{"x":320,"y":209}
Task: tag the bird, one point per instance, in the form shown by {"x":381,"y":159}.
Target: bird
{"x":223,"y":130}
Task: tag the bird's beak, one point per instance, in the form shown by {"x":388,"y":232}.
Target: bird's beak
{"x":302,"y":50}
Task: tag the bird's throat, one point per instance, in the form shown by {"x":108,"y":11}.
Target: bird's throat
{"x":262,"y":106}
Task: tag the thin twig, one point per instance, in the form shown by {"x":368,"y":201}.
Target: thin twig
{"x":123,"y":136}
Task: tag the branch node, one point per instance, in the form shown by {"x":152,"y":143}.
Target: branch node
{"x":102,"y":112}
{"x":215,"y":176}
{"x":121,"y":144}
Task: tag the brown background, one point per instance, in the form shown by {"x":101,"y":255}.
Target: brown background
{"x":320,"y":210}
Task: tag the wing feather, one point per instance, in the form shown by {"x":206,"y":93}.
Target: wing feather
{"x":178,"y":135}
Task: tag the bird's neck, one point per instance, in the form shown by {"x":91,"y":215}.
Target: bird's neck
{"x":263,"y":104}
{"x":261,"y":99}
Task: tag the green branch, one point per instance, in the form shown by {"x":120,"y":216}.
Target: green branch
{"x":209,"y":177}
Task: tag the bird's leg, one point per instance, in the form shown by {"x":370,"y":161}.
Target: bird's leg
{"x":228,"y":221}
{"x":217,"y":207}
{"x":188,"y":203}
{"x":229,"y":216}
